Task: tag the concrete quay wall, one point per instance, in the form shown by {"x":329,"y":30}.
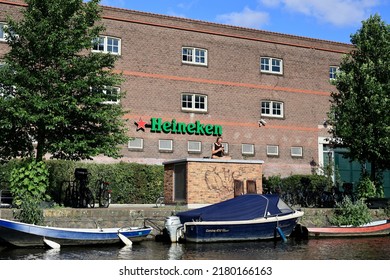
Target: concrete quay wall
{"x":135,"y":215}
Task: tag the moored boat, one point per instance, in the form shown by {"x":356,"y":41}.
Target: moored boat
{"x":375,"y":228}
{"x":20,"y":234}
{"x":243,"y":218}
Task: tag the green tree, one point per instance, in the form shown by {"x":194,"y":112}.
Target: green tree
{"x":360,"y":108}
{"x":53,"y":87}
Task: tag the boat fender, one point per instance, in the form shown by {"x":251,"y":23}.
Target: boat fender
{"x":281,"y":234}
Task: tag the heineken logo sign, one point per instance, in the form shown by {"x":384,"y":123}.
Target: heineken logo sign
{"x":157,"y":125}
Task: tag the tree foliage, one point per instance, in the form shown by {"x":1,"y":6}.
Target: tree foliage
{"x":53,"y":86}
{"x":360,"y":108}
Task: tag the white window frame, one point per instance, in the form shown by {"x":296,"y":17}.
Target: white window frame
{"x":161,"y":147}
{"x":193,"y":102}
{"x":196,"y":149}
{"x":3,"y":34}
{"x":105,"y":89}
{"x":102,"y":42}
{"x":267,"y":65}
{"x":118,"y":94}
{"x":272,"y":150}
{"x":225,"y":148}
{"x":294,"y":152}
{"x":271,"y":109}
{"x":136,"y":144}
{"x":189,"y":55}
{"x":245,"y":151}
{"x":333,"y":72}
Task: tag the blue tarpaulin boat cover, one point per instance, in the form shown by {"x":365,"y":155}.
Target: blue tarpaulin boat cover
{"x":243,"y":207}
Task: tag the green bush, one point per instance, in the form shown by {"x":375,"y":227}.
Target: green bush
{"x":272,"y":183}
{"x":304,"y":182}
{"x":366,"y":188}
{"x":350,"y":213}
{"x":28,"y":184}
{"x":130,"y":182}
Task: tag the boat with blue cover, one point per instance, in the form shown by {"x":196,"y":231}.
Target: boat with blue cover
{"x":243,"y":218}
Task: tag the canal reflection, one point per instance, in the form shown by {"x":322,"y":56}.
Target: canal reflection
{"x":377,"y":248}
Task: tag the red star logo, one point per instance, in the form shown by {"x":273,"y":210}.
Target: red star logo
{"x":140,"y":124}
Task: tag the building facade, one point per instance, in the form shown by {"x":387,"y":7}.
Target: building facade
{"x":187,"y":82}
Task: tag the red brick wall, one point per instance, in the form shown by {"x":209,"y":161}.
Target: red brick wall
{"x":155,"y":78}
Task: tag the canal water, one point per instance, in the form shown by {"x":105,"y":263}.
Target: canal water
{"x":373,"y":248}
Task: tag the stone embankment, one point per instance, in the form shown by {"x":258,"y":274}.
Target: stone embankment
{"x":137,"y":215}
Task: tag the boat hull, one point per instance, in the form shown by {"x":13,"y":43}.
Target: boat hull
{"x":251,"y":230}
{"x":379,"y":228}
{"x":27,"y":235}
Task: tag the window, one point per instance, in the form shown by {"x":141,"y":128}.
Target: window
{"x":248,"y":149}
{"x":296,"y":151}
{"x":165,"y":145}
{"x":272,"y":150}
{"x":194,"y":102}
{"x":112,"y":95}
{"x":194,"y":146}
{"x":7,"y":91}
{"x":2,"y":32}
{"x":272,"y":108}
{"x":107,"y":45}
{"x":225,"y":148}
{"x":332,"y":72}
{"x":194,"y":56}
{"x":136,"y":144}
{"x":271,"y":65}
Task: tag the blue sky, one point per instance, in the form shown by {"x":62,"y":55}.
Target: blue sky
{"x":333,"y":20}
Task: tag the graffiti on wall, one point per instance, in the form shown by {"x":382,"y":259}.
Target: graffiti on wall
{"x":220,"y":181}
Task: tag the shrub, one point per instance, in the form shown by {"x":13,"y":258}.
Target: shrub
{"x":129,"y":182}
{"x":350,"y":213}
{"x":366,"y":188}
{"x":28,"y":185}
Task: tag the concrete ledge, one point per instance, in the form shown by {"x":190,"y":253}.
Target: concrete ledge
{"x":213,"y":160}
{"x":135,"y":214}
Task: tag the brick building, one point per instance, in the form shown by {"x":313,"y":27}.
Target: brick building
{"x":187,"y":81}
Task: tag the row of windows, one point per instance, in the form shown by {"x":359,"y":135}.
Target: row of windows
{"x":104,"y":44}
{"x":166,"y":145}
{"x":190,"y":55}
{"x":198,"y":56}
{"x":112,"y":94}
{"x":271,"y":65}
{"x":198,"y":103}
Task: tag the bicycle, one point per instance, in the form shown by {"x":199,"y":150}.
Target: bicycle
{"x":103,"y":193}
{"x":160,"y":200}
{"x":77,"y":193}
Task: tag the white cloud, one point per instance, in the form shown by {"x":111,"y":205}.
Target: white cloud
{"x":336,"y":12}
{"x":246,"y":18}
